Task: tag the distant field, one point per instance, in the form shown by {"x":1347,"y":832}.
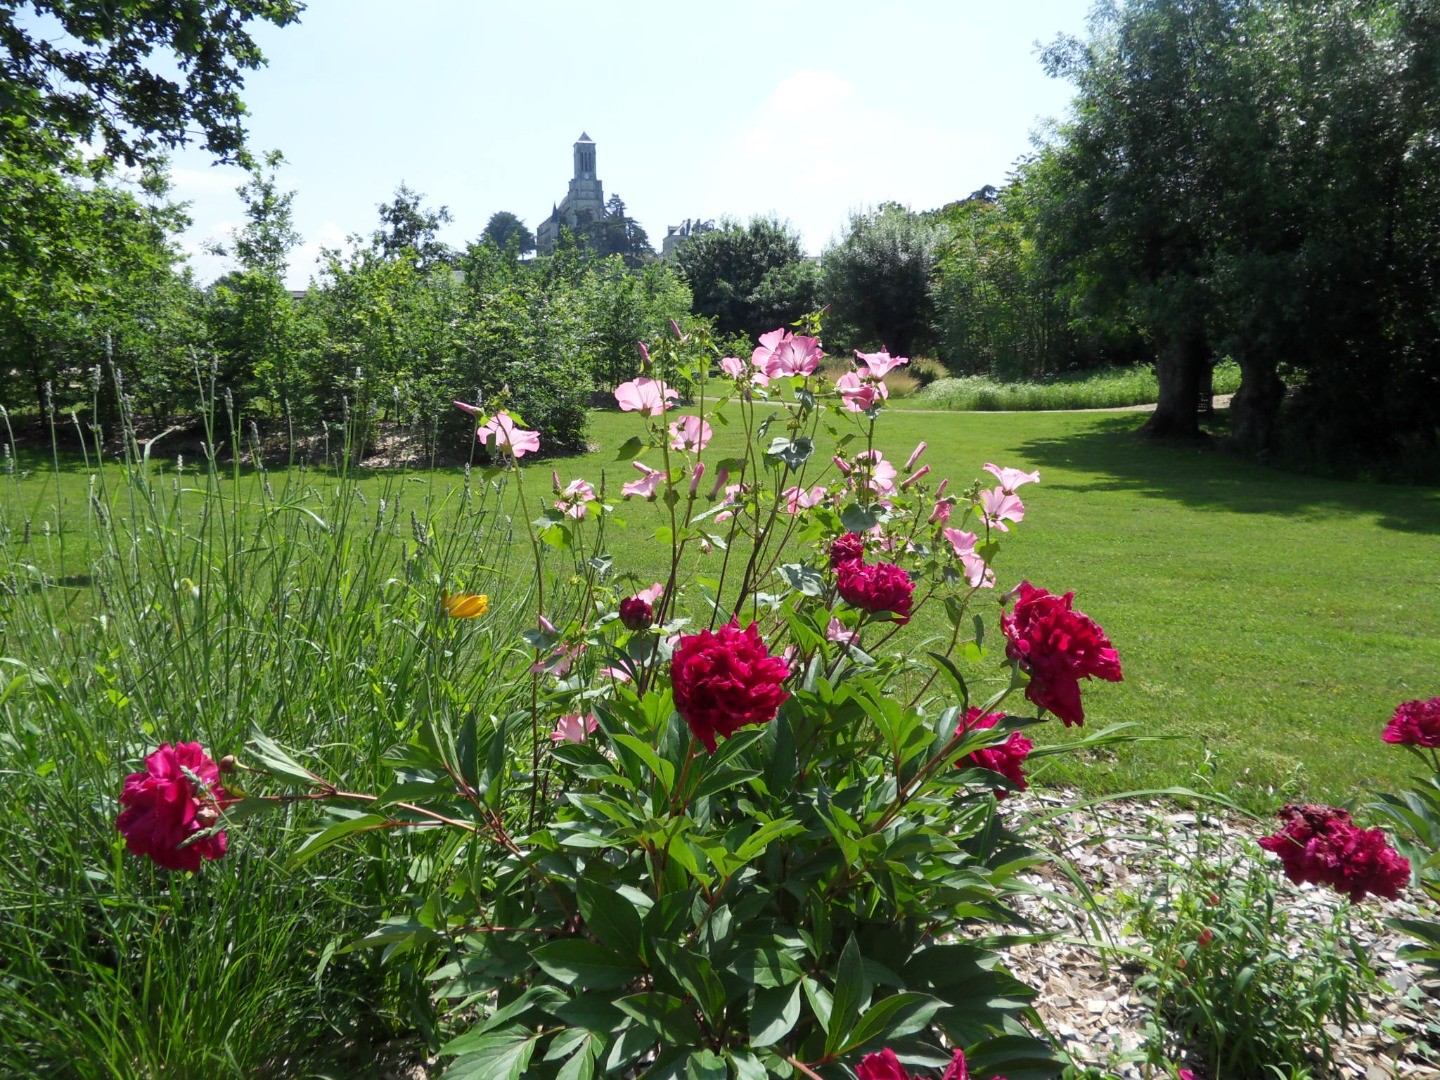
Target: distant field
{"x":1107,"y":388}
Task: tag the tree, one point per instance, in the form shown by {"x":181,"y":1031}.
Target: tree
{"x":1130,"y":223}
{"x":255,"y":324}
{"x":617,"y":233}
{"x":727,"y":269}
{"x":504,"y":229}
{"x":877,"y":279}
{"x":140,"y":75}
{"x":410,"y":230}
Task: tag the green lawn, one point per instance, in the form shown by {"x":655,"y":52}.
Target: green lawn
{"x":1268,"y":621}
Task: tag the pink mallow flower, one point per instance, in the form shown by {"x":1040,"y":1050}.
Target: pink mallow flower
{"x":797,"y":499}
{"x":690,"y":433}
{"x":880,"y":363}
{"x":733,"y":366}
{"x":502,"y":429}
{"x":998,"y":506}
{"x":781,"y":353}
{"x":882,"y":473}
{"x":838,"y":633}
{"x":574,"y":727}
{"x":645,"y":395}
{"x":977,"y":574}
{"x":860,"y":395}
{"x":650,"y":479}
{"x":574,"y":498}
{"x":1010,"y":479}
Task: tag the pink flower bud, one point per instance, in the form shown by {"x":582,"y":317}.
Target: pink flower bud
{"x":841,"y":464}
{"x":644,"y":355}
{"x":917,"y":475}
{"x":915,"y":455}
{"x":695,"y":477}
{"x":555,"y":480}
{"x":547,"y":625}
{"x":721,"y":479}
{"x":940,"y":491}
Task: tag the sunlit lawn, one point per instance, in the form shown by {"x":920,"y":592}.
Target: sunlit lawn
{"x":1270,"y":622}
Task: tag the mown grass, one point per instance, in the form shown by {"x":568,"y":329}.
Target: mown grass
{"x":1107,"y":388}
{"x":1266,"y":622}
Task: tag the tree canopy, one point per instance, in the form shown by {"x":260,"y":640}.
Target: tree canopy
{"x":99,"y":77}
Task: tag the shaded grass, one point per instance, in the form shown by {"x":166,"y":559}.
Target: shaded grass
{"x":1107,"y":388}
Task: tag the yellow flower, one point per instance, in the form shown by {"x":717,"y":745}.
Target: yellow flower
{"x":465,"y":605}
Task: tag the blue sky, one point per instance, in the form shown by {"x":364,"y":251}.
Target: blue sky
{"x":803,"y":110}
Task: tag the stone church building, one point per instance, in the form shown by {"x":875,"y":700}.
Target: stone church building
{"x":584,"y":202}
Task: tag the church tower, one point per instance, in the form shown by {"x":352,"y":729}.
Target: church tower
{"x":583,"y":203}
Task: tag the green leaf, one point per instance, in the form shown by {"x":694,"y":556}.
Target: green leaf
{"x":774,"y":1014}
{"x":501,"y":1055}
{"x":664,"y":1015}
{"x":859,"y":519}
{"x":585,"y":964}
{"x":276,"y":761}
{"x":802,"y":578}
{"x":331,"y":836}
{"x":892,"y":1018}
{"x":852,"y":991}
{"x":630,"y":449}
{"x":660,"y":769}
{"x":609,"y":916}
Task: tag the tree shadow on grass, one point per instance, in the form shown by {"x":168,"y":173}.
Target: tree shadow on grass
{"x":1204,"y":475}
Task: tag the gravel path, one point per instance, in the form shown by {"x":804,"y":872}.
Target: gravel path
{"x":1091,"y":1006}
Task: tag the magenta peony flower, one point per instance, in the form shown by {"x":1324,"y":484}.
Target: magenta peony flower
{"x":636,"y":614}
{"x":726,"y":680}
{"x":1057,"y":646}
{"x":1005,"y":759}
{"x":164,"y":808}
{"x":847,"y":548}
{"x":881,"y":1066}
{"x":879,"y":588}
{"x":1320,"y":845}
{"x":1415,"y":723}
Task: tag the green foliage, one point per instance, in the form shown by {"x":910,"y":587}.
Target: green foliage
{"x":624,"y":307}
{"x":410,"y":230}
{"x":748,"y":278}
{"x":107,"y":75}
{"x":505,"y":230}
{"x":85,"y":273}
{"x":877,"y":279}
{"x":1258,"y":179}
{"x":1255,"y":990}
{"x":996,"y":312}
{"x":263,"y":343}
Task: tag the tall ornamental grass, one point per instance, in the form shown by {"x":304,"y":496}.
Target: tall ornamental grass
{"x":193,"y":601}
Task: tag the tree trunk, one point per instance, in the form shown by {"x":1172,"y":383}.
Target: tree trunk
{"x":1256,"y":404}
{"x":1179,"y":365}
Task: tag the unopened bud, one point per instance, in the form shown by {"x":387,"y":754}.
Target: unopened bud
{"x":205,"y":816}
{"x":721,"y":479}
{"x":914,"y":456}
{"x":695,"y":477}
{"x":228,"y":764}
